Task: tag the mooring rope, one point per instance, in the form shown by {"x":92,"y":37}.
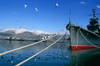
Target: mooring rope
{"x":30,"y":44}
{"x":88,"y":40}
{"x":38,"y":52}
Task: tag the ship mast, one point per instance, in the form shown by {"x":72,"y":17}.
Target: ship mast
{"x":94,"y":13}
{"x":70,"y":17}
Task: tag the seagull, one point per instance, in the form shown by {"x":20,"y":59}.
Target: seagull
{"x":98,"y":6}
{"x":25,"y":6}
{"x":56,"y":4}
{"x":21,"y":27}
{"x":17,"y":20}
{"x":11,"y":61}
{"x":36,"y":9}
{"x":35,"y":59}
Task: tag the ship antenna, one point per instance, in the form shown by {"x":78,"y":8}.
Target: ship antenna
{"x":70,"y":17}
{"x":94,"y":13}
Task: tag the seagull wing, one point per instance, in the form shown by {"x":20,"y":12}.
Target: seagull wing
{"x":36,"y":9}
{"x":25,"y":6}
{"x":56,"y":4}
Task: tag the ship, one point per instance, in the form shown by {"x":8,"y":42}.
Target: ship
{"x":81,"y":38}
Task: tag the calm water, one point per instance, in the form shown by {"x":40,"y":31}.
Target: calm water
{"x":60,"y":54}
{"x":57,"y":55}
{"x":87,"y":57}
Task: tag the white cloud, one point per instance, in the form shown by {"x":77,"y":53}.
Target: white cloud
{"x":15,"y":13}
{"x":40,"y":32}
{"x":82,"y":2}
{"x":98,"y":6}
{"x":21,"y":30}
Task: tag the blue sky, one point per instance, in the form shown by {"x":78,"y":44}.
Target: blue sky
{"x":49,"y":18}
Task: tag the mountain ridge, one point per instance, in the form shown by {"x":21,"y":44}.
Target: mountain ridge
{"x":25,"y":34}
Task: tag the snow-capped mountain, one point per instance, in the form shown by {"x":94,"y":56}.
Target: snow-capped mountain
{"x":12,"y":32}
{"x":25,"y":34}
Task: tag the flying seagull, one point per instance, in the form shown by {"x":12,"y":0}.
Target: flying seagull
{"x":36,"y":9}
{"x":98,"y":6}
{"x":56,"y":4}
{"x":21,"y":27}
{"x":25,"y":6}
{"x":17,"y":20}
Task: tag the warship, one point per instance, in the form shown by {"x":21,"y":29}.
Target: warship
{"x":85,"y":38}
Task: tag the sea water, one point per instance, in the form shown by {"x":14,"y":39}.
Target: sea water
{"x":60,"y":54}
{"x":56,"y":55}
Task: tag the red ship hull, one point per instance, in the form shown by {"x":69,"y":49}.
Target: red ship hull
{"x":84,"y":47}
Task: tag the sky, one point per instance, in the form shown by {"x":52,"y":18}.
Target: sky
{"x":48,"y":18}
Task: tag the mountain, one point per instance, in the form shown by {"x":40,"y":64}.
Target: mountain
{"x":7,"y":33}
{"x":12,"y":32}
{"x":25,"y":34}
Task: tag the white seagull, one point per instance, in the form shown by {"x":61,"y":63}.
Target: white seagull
{"x":17,"y":20}
{"x":56,"y":4}
{"x":11,"y":61}
{"x":98,"y":6}
{"x":25,"y":6}
{"x":36,"y":9}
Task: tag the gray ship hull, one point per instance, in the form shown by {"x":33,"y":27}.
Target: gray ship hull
{"x":82,"y":38}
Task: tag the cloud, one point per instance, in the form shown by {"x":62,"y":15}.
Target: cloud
{"x":21,"y":30}
{"x":37,"y":32}
{"x":15,"y":13}
{"x":98,"y":6}
{"x":82,"y":2}
{"x":40,"y":32}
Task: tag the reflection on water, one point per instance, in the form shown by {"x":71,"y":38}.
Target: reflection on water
{"x":57,"y":55}
{"x":85,"y":57}
{"x":60,"y":54}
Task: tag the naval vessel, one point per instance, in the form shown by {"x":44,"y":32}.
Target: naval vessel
{"x":85,"y":38}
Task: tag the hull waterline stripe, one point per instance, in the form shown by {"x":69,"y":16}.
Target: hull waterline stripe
{"x":84,"y":47}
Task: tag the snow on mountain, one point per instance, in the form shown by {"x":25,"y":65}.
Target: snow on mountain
{"x":21,"y":30}
{"x":26,"y":34}
{"x":12,"y":29}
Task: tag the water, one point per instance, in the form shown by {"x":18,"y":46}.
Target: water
{"x":85,"y":57}
{"x":60,"y":54}
{"x":56,"y":55}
